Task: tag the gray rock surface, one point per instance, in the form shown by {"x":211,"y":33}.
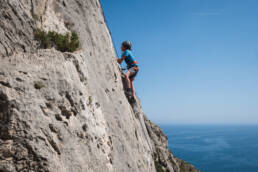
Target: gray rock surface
{"x":67,"y":111}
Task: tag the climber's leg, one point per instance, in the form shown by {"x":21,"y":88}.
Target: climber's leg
{"x":127,"y":79}
{"x":133,"y":73}
{"x":132,"y":87}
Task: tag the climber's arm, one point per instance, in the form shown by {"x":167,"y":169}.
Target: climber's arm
{"x":120,"y":60}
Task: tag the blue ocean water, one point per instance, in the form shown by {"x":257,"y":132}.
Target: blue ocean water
{"x":215,"y":148}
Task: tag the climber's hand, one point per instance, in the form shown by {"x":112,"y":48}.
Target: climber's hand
{"x":121,"y":59}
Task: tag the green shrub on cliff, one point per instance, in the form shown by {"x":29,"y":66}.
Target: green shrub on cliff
{"x":157,"y":163}
{"x":64,"y":43}
{"x":74,"y":44}
{"x":158,"y":166}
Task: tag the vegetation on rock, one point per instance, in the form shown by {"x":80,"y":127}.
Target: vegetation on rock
{"x":90,"y":100}
{"x":185,"y":166}
{"x":64,"y":43}
{"x":158,"y":165}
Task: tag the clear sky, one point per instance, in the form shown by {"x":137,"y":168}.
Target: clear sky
{"x":198,"y":58}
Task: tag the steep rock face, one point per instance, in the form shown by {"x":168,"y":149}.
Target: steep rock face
{"x":67,"y":111}
{"x":50,"y":119}
{"x":162,"y":156}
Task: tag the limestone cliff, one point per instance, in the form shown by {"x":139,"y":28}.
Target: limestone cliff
{"x":67,"y":112}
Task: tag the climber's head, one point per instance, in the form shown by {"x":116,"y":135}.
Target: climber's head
{"x":126,"y":45}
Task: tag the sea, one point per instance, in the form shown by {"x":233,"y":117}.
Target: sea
{"x":215,"y":148}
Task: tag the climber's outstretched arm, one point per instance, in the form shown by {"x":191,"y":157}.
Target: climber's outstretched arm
{"x":120,"y":60}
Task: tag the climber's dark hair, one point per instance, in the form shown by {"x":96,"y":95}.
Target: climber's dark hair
{"x":127,"y":45}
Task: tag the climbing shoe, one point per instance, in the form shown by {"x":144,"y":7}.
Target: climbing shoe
{"x":128,"y":92}
{"x":132,"y":99}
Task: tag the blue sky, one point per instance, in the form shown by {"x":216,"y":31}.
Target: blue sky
{"x":198,"y":58}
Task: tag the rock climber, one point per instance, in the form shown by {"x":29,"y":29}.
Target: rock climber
{"x":132,"y":68}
